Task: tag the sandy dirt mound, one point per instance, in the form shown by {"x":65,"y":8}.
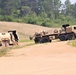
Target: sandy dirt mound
{"x":55,"y":58}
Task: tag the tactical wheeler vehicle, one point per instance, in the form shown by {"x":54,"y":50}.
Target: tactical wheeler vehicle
{"x":66,"y":32}
{"x":7,"y":38}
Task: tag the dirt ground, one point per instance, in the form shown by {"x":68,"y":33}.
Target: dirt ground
{"x":56,"y":58}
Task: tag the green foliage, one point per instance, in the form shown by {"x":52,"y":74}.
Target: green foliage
{"x":72,"y":43}
{"x":51,"y":13}
{"x":8,"y":18}
{"x":1,"y":18}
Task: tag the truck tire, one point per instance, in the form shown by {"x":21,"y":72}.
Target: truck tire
{"x":62,"y":38}
{"x":71,"y":36}
{"x":45,"y":39}
{"x":37,"y":39}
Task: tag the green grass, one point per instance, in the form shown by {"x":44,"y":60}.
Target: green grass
{"x":3,"y":52}
{"x":18,"y":46}
{"x":72,"y":43}
{"x":26,"y":41}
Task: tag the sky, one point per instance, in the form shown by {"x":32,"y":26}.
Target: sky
{"x":72,"y":1}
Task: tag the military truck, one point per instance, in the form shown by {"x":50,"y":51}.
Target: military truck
{"x":7,"y":38}
{"x":66,"y":32}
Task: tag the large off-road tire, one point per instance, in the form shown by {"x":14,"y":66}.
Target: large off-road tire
{"x":71,"y":36}
{"x":45,"y":39}
{"x":62,"y":38}
{"x":37,"y":39}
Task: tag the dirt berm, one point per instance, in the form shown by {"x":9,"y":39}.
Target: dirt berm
{"x":56,"y":58}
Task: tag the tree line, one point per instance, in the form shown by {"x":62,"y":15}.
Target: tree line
{"x":50,"y":13}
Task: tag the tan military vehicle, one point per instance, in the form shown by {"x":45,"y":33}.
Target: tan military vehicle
{"x":67,"y":32}
{"x":7,"y":38}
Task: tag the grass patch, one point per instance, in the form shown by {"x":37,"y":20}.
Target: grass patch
{"x":22,"y":46}
{"x":26,"y":41}
{"x":30,"y":44}
{"x":72,"y":43}
{"x":3,"y":52}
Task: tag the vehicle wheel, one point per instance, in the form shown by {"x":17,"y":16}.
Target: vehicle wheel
{"x":37,"y":40}
{"x":62,"y":38}
{"x":45,"y":39}
{"x":71,"y":37}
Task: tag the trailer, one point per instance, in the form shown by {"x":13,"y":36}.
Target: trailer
{"x":44,"y":36}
